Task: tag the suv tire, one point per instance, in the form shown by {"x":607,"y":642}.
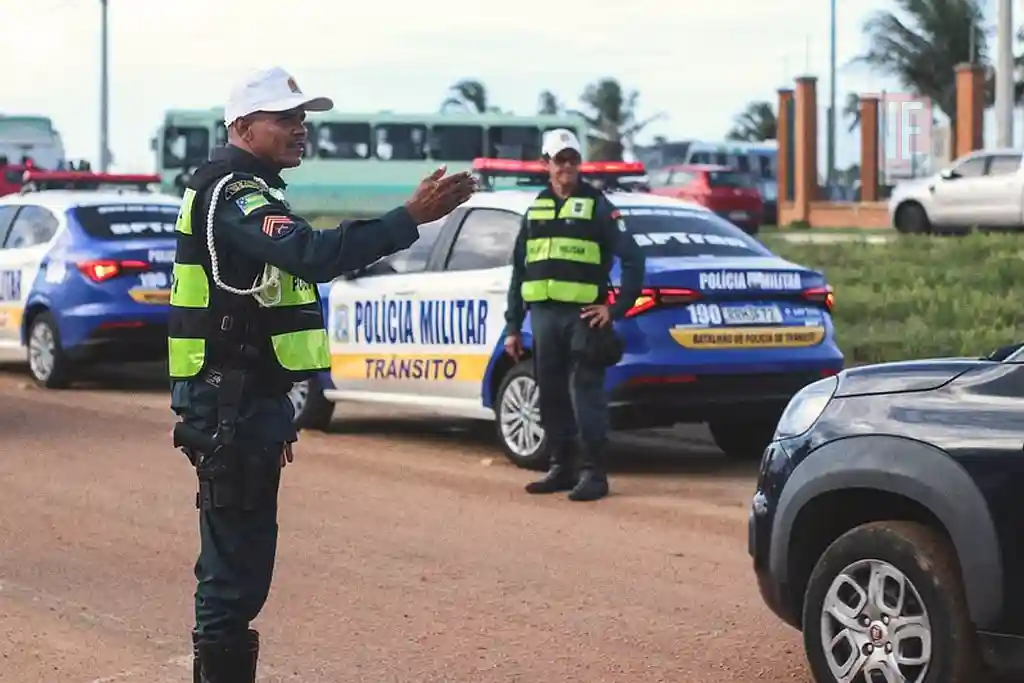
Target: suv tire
{"x":311,"y":409}
{"x":920,"y":562}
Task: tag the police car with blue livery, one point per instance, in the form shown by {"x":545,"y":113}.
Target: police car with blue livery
{"x":85,"y":271}
{"x":725,"y":331}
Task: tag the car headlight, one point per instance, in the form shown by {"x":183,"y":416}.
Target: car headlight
{"x":805,"y":408}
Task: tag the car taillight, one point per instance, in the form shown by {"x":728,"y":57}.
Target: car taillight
{"x":655,"y":296}
{"x":823,"y":296}
{"x":101,"y":270}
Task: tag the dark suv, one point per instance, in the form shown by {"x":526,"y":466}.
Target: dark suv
{"x":888,"y":521}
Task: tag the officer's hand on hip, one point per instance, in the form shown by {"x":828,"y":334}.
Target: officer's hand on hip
{"x":286,"y":454}
{"x":514,"y":345}
{"x":438,"y":195}
{"x":597,"y":314}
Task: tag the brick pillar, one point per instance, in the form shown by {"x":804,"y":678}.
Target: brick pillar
{"x":784,"y":136}
{"x":869,"y":148}
{"x":806,"y":148}
{"x":970,"y":106}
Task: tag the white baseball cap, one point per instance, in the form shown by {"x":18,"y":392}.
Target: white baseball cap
{"x":271,"y":89}
{"x":559,"y":140}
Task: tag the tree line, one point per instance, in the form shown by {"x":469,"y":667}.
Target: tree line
{"x":610,"y":111}
{"x":919,"y":43}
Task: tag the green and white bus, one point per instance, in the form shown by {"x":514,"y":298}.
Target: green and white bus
{"x":363,"y":164}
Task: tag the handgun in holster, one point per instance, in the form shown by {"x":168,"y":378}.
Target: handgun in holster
{"x":217,"y":464}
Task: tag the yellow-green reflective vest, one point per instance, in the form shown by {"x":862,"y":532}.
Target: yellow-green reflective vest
{"x":563,"y":251}
{"x":289,"y":332}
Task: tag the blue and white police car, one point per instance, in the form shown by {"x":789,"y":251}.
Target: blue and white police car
{"x":725,"y":332}
{"x":85,"y":272}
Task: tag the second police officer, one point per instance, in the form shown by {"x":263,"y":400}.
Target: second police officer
{"x":561,"y":265}
{"x":246,"y":324}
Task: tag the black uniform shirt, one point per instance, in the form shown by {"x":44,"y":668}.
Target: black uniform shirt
{"x":253,"y":228}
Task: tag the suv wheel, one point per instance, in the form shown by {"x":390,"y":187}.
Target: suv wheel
{"x":885,"y":602}
{"x":743,"y":440}
{"x":47,"y":362}
{"x":312,"y":410}
{"x":517,"y":419}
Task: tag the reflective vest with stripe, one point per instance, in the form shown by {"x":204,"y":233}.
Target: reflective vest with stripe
{"x":563,"y":252}
{"x":289,"y":332}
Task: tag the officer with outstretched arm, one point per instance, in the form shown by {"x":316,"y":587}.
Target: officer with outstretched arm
{"x":560,"y":269}
{"x":245,"y":325}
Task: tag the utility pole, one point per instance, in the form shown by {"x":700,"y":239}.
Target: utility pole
{"x":1004,"y":75}
{"x":104,"y":91}
{"x":830,"y":175}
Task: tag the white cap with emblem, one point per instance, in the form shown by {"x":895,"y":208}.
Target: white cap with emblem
{"x":559,"y":140}
{"x":271,"y":89}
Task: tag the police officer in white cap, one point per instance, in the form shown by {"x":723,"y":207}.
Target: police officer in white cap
{"x":561,"y":266}
{"x":246,"y":325}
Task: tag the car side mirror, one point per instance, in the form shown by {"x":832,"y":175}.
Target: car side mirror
{"x":949,"y":174}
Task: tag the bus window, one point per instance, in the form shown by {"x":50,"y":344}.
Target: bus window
{"x":343,"y":140}
{"x":400,"y":142}
{"x":700,"y":158}
{"x":514,"y":142}
{"x":456,"y":143}
{"x":220,"y":134}
{"x":722,"y":159}
{"x":185,"y":146}
{"x":743,"y":163}
{"x":764,"y":167}
{"x":310,"y":150}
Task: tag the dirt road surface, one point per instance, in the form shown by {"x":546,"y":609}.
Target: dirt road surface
{"x":409,"y":553}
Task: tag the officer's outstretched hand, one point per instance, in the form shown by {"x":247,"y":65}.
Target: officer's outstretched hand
{"x":438,"y":195}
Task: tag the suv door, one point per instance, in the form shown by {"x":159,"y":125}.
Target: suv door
{"x":22,"y":251}
{"x":364,"y":309}
{"x":469,"y":299}
{"x":10,"y":291}
{"x":954,"y":197}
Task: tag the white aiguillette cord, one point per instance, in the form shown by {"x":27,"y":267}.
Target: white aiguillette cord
{"x":266,"y":288}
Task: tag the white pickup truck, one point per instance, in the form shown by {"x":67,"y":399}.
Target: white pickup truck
{"x":982,"y":188}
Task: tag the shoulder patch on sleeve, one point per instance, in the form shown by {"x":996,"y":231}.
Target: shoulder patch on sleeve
{"x":251,"y":202}
{"x":240,"y":186}
{"x":276,"y":227}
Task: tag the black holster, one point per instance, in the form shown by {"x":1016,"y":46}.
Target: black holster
{"x":226,"y":479}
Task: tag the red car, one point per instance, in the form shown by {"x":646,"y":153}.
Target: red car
{"x":729,"y":193}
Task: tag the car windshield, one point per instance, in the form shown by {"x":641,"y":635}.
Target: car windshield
{"x":672,"y":232}
{"x":126,"y":221}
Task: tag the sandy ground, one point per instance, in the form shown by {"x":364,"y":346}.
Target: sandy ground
{"x":409,"y":553}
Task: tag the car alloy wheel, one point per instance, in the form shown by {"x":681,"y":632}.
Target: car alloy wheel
{"x":519,"y":415}
{"x":875,"y":626}
{"x":42,"y":351}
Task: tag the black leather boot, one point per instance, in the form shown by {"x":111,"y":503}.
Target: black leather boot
{"x":233,"y":662}
{"x":559,"y":477}
{"x":593,"y":481}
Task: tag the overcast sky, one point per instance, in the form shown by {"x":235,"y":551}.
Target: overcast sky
{"x":700,"y":62}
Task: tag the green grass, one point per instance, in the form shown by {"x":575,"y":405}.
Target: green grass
{"x":919,"y":297}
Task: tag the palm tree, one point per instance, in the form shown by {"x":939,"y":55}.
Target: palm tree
{"x":612,"y":117}
{"x":468,"y":95}
{"x":922,"y":43}
{"x":756,"y":123}
{"x":548,"y":104}
{"x":851,"y":111}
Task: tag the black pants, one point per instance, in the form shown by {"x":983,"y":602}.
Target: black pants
{"x":573,"y":402}
{"x":237,"y":551}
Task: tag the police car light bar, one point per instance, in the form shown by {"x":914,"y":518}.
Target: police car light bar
{"x":536,"y":173}
{"x":85,"y":180}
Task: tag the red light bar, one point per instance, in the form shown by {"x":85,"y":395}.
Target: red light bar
{"x":89,"y":177}
{"x":587,"y":167}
